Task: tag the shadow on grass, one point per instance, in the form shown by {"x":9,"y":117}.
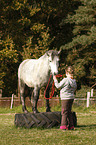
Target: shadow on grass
{"x":90,"y":126}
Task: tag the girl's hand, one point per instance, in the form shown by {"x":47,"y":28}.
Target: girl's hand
{"x":54,"y":77}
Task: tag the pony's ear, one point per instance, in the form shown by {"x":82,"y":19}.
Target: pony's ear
{"x":50,"y":54}
{"x":59,"y":51}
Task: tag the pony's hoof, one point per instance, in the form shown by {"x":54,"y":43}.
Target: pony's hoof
{"x":26,"y":111}
{"x":48,"y":110}
{"x":35,"y":111}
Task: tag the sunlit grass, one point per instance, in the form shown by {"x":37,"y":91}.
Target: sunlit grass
{"x":84,"y":133}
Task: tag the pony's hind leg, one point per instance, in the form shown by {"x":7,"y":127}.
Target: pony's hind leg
{"x":31,"y":96}
{"x":22,"y":96}
{"x":35,"y":99}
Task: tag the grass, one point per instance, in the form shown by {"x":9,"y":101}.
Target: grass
{"x":84,"y":133}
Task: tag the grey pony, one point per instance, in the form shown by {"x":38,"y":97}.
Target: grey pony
{"x":34,"y":74}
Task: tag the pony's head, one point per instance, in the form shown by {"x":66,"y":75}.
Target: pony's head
{"x":53,"y":57}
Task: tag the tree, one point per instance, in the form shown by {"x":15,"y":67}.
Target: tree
{"x":8,"y":64}
{"x":28,"y":28}
{"x":81,"y":49}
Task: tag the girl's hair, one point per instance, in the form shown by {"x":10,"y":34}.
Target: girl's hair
{"x":70,"y":70}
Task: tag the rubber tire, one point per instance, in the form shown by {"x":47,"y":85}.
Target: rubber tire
{"x":43,"y":119}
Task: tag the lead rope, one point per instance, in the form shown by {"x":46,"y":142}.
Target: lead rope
{"x":53,"y":87}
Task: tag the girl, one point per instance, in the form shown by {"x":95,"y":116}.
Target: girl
{"x":68,"y":87}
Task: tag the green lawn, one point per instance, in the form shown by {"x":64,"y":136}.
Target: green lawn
{"x":84,"y":133}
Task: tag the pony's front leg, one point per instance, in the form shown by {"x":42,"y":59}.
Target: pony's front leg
{"x":35,"y":99}
{"x":47,"y":101}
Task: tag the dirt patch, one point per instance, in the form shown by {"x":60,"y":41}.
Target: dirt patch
{"x":94,"y":112}
{"x":7,"y":113}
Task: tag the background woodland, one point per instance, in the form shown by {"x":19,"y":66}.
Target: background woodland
{"x":28,"y":28}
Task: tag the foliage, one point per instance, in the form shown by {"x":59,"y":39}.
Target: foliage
{"x":8,"y":61}
{"x":27,"y":30}
{"x":81,"y":49}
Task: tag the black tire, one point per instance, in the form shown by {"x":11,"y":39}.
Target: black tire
{"x":44,"y":119}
